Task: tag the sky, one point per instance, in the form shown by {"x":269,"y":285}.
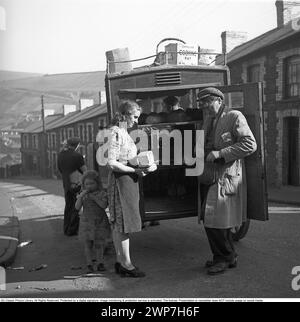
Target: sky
{"x":61,"y":36}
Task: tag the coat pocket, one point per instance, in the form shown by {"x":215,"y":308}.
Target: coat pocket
{"x":229,"y":184}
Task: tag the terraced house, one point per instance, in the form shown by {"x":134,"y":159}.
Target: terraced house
{"x":40,"y":148}
{"x":273,"y":58}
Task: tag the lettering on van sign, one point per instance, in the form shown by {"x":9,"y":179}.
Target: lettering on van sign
{"x":182,"y":149}
{"x":187,"y":54}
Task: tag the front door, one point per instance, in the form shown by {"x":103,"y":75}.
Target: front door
{"x":293,"y":151}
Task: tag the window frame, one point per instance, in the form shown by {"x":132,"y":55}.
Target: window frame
{"x":89,"y":135}
{"x":68,"y":132}
{"x":288,"y":62}
{"x":250,"y":73}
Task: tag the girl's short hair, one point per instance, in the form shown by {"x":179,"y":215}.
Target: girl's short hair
{"x":125,"y":108}
{"x":92,"y":175}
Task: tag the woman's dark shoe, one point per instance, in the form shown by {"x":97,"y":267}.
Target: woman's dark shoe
{"x":117,"y":267}
{"x":101,"y":267}
{"x":131,"y":273}
{"x":90,"y":269}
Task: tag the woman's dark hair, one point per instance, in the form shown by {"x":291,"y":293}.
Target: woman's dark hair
{"x":92,"y":175}
{"x":125,"y":108}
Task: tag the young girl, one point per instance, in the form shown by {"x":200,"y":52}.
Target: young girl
{"x":94,"y":225}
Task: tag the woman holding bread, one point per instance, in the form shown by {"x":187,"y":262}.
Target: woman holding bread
{"x":123,"y":186}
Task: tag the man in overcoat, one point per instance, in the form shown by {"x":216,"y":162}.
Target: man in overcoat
{"x":223,"y":188}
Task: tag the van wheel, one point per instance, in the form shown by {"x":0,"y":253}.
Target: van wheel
{"x":241,"y":231}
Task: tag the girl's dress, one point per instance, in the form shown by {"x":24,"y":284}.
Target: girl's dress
{"x":123,"y":188}
{"x":94,"y":224}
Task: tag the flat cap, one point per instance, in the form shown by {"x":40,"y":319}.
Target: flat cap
{"x":210,"y":91}
{"x":73,"y":141}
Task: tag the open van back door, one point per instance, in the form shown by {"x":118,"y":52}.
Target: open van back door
{"x":248,"y":99}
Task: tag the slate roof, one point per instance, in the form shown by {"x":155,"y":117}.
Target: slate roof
{"x":267,"y":39}
{"x":87,"y":113}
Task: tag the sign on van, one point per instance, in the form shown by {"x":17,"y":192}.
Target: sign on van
{"x":182,"y":54}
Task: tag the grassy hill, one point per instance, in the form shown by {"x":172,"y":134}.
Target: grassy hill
{"x":22,"y":94}
{"x":6,"y":75}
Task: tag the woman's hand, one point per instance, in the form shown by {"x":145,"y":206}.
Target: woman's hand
{"x":140,"y":172}
{"x":152,"y":168}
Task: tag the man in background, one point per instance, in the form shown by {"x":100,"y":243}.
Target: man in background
{"x":71,"y":165}
{"x":171,"y":103}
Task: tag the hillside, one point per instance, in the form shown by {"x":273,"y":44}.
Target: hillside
{"x":23,"y":95}
{"x":8,"y":75}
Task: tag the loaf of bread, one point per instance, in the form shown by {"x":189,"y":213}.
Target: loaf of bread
{"x":145,"y":158}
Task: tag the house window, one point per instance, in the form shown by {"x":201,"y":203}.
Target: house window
{"x":292,"y":79}
{"x":35,"y":141}
{"x":90,"y":132}
{"x":102,"y":123}
{"x":253,"y":73}
{"x":25,"y":141}
{"x":70,"y":132}
{"x":48,"y":159}
{"x":49,"y":140}
{"x":54,"y":161}
{"x":53,"y":139}
{"x":81,"y":132}
{"x":62,"y":135}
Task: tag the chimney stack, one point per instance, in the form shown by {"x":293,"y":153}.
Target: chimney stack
{"x":84,"y":103}
{"x":286,"y":11}
{"x":68,"y":108}
{"x":231,"y":39}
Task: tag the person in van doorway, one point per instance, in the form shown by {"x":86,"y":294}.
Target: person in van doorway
{"x":123,"y":186}
{"x":176,"y":178}
{"x":223,"y":194}
{"x":171,"y":103}
{"x":70,"y":164}
{"x":94,"y":225}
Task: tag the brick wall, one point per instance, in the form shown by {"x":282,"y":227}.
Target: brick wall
{"x":276,"y":107}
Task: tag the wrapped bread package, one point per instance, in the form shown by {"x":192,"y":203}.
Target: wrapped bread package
{"x":145,"y":158}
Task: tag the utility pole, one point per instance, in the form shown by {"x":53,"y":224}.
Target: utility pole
{"x":44,"y":141}
{"x":43,"y":114}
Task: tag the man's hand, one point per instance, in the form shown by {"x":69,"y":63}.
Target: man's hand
{"x":212,"y":156}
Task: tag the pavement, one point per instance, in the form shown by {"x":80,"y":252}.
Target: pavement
{"x":26,"y":187}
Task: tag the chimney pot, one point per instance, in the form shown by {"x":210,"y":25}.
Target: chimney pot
{"x":286,"y":11}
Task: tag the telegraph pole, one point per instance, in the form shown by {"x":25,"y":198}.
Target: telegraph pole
{"x":44,"y":141}
{"x":43,"y":114}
